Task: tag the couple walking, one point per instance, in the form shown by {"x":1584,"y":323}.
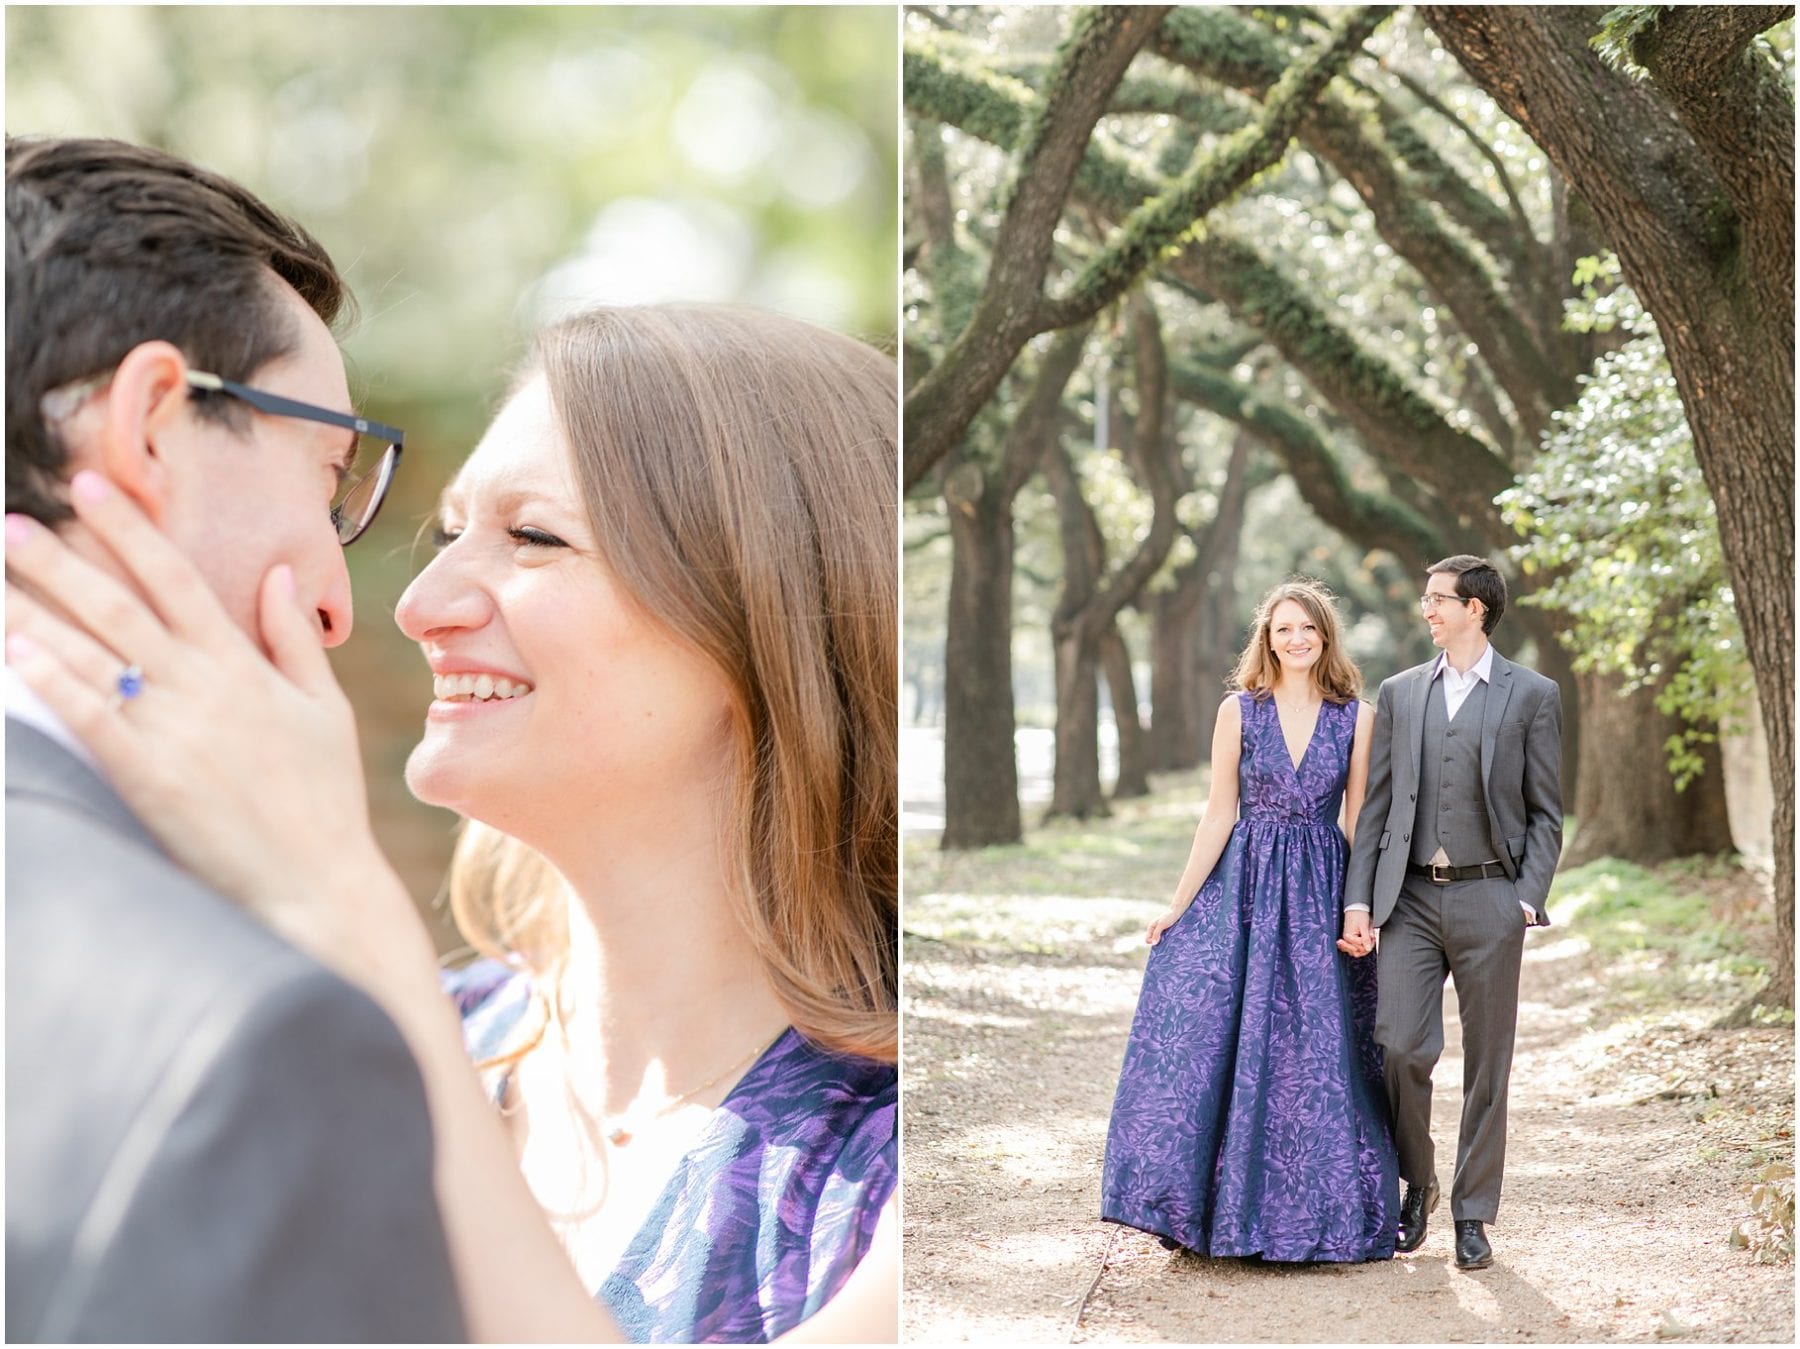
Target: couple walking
{"x":1277,"y":1083}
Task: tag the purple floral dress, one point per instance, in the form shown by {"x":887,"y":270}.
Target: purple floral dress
{"x":1250,"y":1117}
{"x":770,"y":1211}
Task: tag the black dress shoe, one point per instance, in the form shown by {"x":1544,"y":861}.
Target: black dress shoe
{"x":1414,"y":1210}
{"x":1472,"y":1249}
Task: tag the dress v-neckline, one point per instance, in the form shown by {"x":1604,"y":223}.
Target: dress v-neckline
{"x":1288,"y":754}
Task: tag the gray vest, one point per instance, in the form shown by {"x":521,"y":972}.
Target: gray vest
{"x":1452,"y":807}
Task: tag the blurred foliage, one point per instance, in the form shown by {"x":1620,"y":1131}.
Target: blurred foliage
{"x":1617,"y":509}
{"x":477,"y":170}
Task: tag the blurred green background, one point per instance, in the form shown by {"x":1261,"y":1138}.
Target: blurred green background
{"x":476,"y":171}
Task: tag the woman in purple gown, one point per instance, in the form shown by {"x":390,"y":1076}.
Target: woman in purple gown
{"x":1250,"y":1117}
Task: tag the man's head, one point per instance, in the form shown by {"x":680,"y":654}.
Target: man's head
{"x":127,"y":268}
{"x":1462,"y":593}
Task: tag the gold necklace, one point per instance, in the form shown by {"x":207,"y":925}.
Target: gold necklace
{"x":621,"y":1128}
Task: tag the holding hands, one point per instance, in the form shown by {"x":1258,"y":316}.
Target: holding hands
{"x":1359,"y":938}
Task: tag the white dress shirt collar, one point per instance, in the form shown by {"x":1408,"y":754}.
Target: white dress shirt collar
{"x":1482,"y":669}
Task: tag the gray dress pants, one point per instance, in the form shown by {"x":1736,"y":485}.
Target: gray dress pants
{"x":1474,"y":931}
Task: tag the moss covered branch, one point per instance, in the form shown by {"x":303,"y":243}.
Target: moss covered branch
{"x":1370,"y":519}
{"x":1216,"y":177}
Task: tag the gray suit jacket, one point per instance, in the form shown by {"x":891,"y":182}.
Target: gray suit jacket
{"x":209,"y":1137}
{"x":1521,"y":770}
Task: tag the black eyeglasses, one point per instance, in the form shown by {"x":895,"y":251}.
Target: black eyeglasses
{"x":1428,"y":601}
{"x":363,"y":483}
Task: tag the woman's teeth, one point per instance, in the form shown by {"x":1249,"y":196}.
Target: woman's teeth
{"x":479,"y":688}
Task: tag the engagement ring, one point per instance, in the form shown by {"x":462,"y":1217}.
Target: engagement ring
{"x":127,"y":686}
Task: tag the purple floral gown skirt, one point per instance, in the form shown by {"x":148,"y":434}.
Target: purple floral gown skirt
{"x":1250,"y":1117}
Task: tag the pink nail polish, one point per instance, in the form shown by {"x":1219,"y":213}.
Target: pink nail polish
{"x":89,"y":485}
{"x":19,"y":646}
{"x":18,"y":530}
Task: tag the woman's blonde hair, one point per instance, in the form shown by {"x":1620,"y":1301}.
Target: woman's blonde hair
{"x":1334,"y":673}
{"x":739,"y":471}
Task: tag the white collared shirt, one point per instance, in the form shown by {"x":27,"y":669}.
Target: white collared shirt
{"x":23,"y":705}
{"x":1458,"y":687}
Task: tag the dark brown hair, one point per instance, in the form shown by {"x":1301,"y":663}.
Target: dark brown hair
{"x":1335,"y":674}
{"x":738,"y":469}
{"x":1476,"y":579}
{"x":109,"y":245}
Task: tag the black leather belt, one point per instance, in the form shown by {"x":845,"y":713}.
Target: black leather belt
{"x":1444,"y":875}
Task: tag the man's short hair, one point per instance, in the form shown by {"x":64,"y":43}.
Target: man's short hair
{"x":109,"y":245}
{"x":1476,"y":579}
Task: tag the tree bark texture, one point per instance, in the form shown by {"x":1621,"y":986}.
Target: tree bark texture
{"x":981,"y":772}
{"x":1134,"y":740}
{"x":1174,"y":667}
{"x":1075,"y":792}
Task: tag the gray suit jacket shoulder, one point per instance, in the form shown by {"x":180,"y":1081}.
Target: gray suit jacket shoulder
{"x":1521,"y":762}
{"x":209,"y":1136}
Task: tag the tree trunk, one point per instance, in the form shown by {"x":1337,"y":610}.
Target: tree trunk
{"x":1076,"y":793}
{"x":1074,"y":641}
{"x":981,"y":774}
{"x":1175,"y":731}
{"x":1134,"y":741}
{"x":1625,"y":803}
{"x":981,"y":771}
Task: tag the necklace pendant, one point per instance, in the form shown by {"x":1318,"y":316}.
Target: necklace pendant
{"x":618,"y":1135}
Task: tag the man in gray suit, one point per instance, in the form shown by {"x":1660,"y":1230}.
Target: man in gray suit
{"x":209,"y":1136}
{"x":1455,"y":848}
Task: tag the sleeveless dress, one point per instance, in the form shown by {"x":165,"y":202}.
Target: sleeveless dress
{"x":768,"y":1213}
{"x":1250,"y":1117}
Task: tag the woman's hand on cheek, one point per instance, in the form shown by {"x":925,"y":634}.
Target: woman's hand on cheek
{"x":246,"y":769}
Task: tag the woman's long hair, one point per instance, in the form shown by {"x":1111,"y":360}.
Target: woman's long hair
{"x":739,"y":471}
{"x":1334,"y":673}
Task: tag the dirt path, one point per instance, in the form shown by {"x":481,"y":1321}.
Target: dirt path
{"x":1614,"y":1226}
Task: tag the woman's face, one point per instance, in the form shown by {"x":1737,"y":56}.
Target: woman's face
{"x":556,"y":696}
{"x":1296,"y":639}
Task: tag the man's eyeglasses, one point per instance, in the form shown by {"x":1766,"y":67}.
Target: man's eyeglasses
{"x":362,"y":483}
{"x":1428,"y":601}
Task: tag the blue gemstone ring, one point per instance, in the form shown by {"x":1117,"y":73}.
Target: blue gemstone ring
{"x":129,"y":684}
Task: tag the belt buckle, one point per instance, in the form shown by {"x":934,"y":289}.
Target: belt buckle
{"x":1437,"y":879}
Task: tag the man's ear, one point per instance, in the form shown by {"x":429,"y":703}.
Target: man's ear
{"x":145,"y":404}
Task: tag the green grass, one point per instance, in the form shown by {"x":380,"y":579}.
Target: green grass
{"x":1669,"y":933}
{"x":1137,"y":853}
